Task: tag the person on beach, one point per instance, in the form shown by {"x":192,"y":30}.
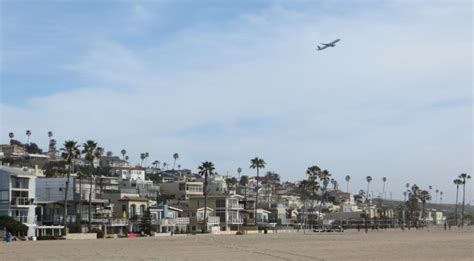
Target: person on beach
{"x":358,"y":227}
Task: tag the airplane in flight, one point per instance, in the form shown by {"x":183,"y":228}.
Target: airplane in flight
{"x":326,"y":45}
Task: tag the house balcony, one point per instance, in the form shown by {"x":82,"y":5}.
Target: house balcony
{"x":235,"y":221}
{"x":118,"y":222}
{"x":164,"y":222}
{"x":24,"y":219}
{"x":23,"y":201}
{"x":182,"y":221}
{"x":211,"y":220}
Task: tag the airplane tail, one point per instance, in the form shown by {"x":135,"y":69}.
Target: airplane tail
{"x":319,"y":48}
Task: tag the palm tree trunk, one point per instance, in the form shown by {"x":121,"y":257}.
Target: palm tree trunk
{"x":463,"y":198}
{"x":65,"y":203}
{"x":383,"y":191}
{"x":456,"y":207}
{"x":174,"y":163}
{"x":256,"y":202}
{"x":90,"y":204}
{"x":205,"y":204}
{"x":79,"y":209}
{"x":368,"y":194}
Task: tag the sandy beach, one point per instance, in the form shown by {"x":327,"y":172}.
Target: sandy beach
{"x":350,"y":245}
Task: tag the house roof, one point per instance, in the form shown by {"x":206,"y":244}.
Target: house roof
{"x":132,"y":198}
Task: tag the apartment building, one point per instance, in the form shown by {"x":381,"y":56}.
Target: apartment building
{"x":17,"y":196}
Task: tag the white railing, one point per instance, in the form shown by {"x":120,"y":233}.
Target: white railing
{"x":182,"y":221}
{"x":118,"y":222}
{"x":25,"y":219}
{"x":23,"y":201}
{"x":234,"y":221}
{"x":164,"y":221}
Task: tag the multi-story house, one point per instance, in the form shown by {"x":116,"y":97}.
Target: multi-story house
{"x":126,"y":172}
{"x":17,"y":196}
{"x":227,"y":207}
{"x":50,"y":196}
{"x":181,"y":190}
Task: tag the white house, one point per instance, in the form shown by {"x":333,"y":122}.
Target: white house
{"x":17,"y":196}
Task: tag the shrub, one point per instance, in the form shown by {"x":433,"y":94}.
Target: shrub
{"x":13,"y":226}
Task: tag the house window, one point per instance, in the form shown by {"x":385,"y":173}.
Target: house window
{"x":181,"y":187}
{"x":220,"y":203}
{"x":124,"y":208}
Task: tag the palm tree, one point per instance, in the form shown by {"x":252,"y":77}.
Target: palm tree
{"x":348,"y":179}
{"x":404,"y":196}
{"x":437,"y":191}
{"x":11,"y":135}
{"x":258,"y":164}
{"x":175,"y":157}
{"x":457,"y":182}
{"x":164,"y":165}
{"x":126,"y":158}
{"x":239,"y":170}
{"x":424,"y":196}
{"x":179,"y":166}
{"x":384,"y":179}
{"x":244,"y":180}
{"x":50,"y":135}
{"x":146,"y":157}
{"x":123,"y":152}
{"x":408,"y":186}
{"x":464,"y":177}
{"x":440,"y":197}
{"x":206,"y":169}
{"x":109,"y":153}
{"x":28,"y":133}
{"x":430,"y":187}
{"x":142,"y":157}
{"x":92,"y":152}
{"x":369,"y":179}
{"x":70,"y":153}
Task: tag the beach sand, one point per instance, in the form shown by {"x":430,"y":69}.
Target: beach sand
{"x":350,"y":245}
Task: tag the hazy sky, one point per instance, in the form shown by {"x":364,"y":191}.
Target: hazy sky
{"x":226,"y":81}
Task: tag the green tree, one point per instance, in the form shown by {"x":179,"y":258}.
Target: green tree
{"x":424,"y":196}
{"x":457,"y":182}
{"x":348,"y":179}
{"x":146,"y":222}
{"x":244,"y":181}
{"x":369,"y":179}
{"x":463,"y":177}
{"x":11,"y":135}
{"x":258,"y":164}
{"x":28,"y":134}
{"x":91,"y":153}
{"x":70,"y":153}
{"x":175,"y":157}
{"x":206,"y":170}
{"x":13,"y":226}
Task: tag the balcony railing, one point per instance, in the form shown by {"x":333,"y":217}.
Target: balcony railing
{"x":22,"y":219}
{"x":164,"y":222}
{"x":118,"y":222}
{"x":234,"y":221}
{"x":182,"y":221}
{"x":23,"y":201}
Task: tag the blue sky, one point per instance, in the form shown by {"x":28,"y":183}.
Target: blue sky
{"x":226,"y":81}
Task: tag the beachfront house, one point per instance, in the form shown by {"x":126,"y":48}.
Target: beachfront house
{"x":227,"y":207}
{"x":17,"y":195}
{"x":168,"y":219}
